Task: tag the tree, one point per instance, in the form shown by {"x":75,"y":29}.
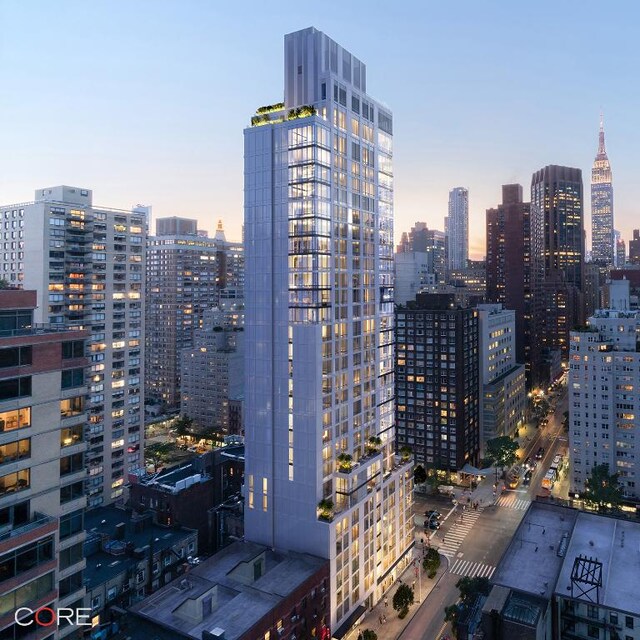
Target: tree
{"x":183,"y":426}
{"x":451,"y":614}
{"x":419,"y":474}
{"x":470,"y":587}
{"x":502,"y":451}
{"x":158,"y":453}
{"x":325,"y":507}
{"x":602,"y":488}
{"x":431,"y":563}
{"x":369,"y":634}
{"x":403,"y":599}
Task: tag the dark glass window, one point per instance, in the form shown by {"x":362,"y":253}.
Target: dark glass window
{"x":15,"y":388}
{"x":73,"y":349}
{"x":15,"y":357}
{"x":71,"y":524}
{"x":72,"y":378}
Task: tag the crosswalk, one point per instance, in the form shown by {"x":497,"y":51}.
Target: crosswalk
{"x":472,"y":569}
{"x":458,"y":532}
{"x":511,"y":501}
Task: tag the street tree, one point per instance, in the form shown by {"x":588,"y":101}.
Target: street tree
{"x":403,"y":599}
{"x":183,"y":426}
{"x":431,"y":562}
{"x":158,"y":453}
{"x":603,"y":488}
{"x":502,"y":451}
{"x":419,"y":474}
{"x":369,"y":634}
{"x":469,"y":588}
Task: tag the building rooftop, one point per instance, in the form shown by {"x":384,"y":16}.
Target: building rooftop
{"x":616,"y":544}
{"x":138,"y":533}
{"x":533,"y":560}
{"x":232,"y":590}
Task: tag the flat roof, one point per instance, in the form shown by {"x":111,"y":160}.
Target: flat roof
{"x":531,"y":563}
{"x":614,"y":542}
{"x":103,"y":566}
{"x":221,"y":592}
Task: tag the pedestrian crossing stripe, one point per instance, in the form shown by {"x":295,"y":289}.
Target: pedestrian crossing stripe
{"x":513,"y":503}
{"x":472,"y":569}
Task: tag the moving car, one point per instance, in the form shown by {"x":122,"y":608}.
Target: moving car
{"x":540,"y":453}
{"x":432,"y":524}
{"x":527,"y":478}
{"x":432,"y":513}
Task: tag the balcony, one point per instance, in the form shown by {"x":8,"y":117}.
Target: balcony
{"x":39,"y":525}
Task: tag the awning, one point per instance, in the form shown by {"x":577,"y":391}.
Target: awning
{"x":345,"y":627}
{"x":472,"y":471}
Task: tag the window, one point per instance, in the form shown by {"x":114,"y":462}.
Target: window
{"x":73,"y":349}
{"x":96,"y":602}
{"x":15,"y":320}
{"x":71,"y":464}
{"x":13,"y":451}
{"x":628,"y":622}
{"x":27,"y":593}
{"x":71,"y":523}
{"x":112,"y":592}
{"x":71,"y":407}
{"x":594,"y":632}
{"x":26,"y":558}
{"x":17,"y":419}
{"x":15,"y":357}
{"x":15,"y":388}
{"x":70,"y":556}
{"x":16,"y":481}
{"x":71,"y":435}
{"x":71,"y":492}
{"x":140,"y":576}
{"x":72,"y":378}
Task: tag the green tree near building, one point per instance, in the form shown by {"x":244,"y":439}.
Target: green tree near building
{"x":157,"y":453}
{"x":431,"y":563}
{"x":502,"y":451}
{"x":602,"y":488}
{"x":402,"y":600}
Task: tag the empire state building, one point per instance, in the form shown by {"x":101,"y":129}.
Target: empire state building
{"x":601,"y":206}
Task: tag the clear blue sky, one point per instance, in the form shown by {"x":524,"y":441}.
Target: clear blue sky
{"x":144,"y":101}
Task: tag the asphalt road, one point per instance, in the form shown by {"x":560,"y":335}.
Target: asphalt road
{"x":490,"y":535}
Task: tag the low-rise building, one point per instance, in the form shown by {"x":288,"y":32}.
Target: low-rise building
{"x":246,"y":591}
{"x":190,"y":494}
{"x":567,"y":575}
{"x":128,"y":557}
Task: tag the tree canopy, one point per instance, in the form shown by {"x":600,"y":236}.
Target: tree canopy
{"x":419,"y":474}
{"x":403,"y":599}
{"x":602,"y":488}
{"x":159,"y":452}
{"x":502,"y":451}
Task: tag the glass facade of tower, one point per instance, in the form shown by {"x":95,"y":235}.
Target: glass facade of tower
{"x":319,"y":327}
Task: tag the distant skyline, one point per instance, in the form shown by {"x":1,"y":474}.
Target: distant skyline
{"x":145,"y":102}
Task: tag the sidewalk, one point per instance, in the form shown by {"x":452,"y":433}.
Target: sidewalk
{"x":394,"y":626}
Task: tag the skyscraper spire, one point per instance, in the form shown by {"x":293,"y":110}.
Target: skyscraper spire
{"x":601,"y":148}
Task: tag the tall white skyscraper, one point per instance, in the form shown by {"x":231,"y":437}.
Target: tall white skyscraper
{"x":603,"y":243}
{"x":604,"y":393}
{"x":457,"y":229}
{"x":87,"y":265}
{"x":321,"y":473}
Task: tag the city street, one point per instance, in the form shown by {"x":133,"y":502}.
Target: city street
{"x":474,"y":546}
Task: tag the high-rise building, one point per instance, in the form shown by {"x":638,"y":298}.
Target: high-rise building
{"x":634,"y":248}
{"x":457,"y":229}
{"x":509,"y":280}
{"x":43,"y":418}
{"x":604,"y":393}
{"x":621,"y":253}
{"x":186,"y":274}
{"x":594,"y":279}
{"x":322,"y":475}
{"x":602,"y":242}
{"x":502,"y":379}
{"x":557,"y":254}
{"x":87,"y":265}
{"x":419,"y":262}
{"x":437,"y":381}
{"x":212,"y":371}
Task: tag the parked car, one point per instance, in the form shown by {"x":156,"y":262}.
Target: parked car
{"x":432,"y":524}
{"x":432,"y":513}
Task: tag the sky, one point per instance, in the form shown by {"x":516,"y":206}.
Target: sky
{"x":145,"y":101}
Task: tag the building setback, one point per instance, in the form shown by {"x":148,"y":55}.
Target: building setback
{"x":602,"y":223}
{"x":187,"y":273}
{"x":319,"y":421}
{"x":87,"y":265}
{"x":604,"y":393}
{"x":43,"y":417}
{"x":437,"y":383}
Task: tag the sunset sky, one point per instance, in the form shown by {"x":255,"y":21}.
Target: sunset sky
{"x":145,"y":101}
